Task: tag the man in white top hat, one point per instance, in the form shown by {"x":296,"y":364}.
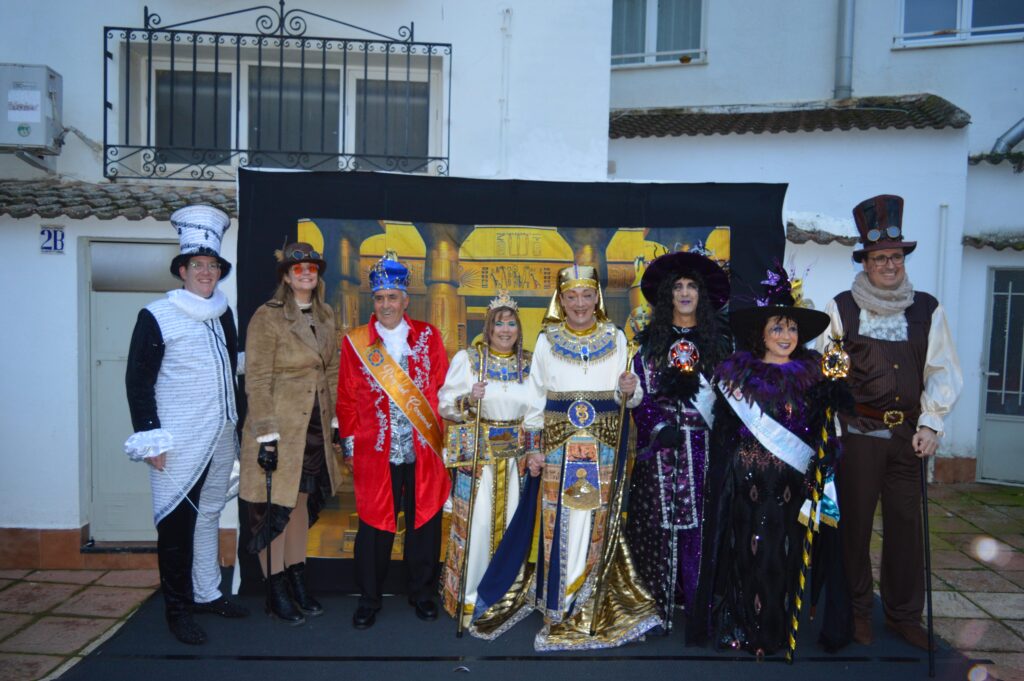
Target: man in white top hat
{"x":181,"y":394}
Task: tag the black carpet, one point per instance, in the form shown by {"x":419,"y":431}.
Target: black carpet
{"x":401,"y":646}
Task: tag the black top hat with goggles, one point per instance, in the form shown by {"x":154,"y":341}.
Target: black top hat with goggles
{"x":880,"y":223}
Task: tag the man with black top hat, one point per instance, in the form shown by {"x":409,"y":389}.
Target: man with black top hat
{"x":905,"y":378}
{"x":181,"y":394}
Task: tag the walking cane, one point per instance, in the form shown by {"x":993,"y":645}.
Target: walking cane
{"x":927,"y":567}
{"x":266,"y":529}
{"x":614,"y":503}
{"x":481,"y":349}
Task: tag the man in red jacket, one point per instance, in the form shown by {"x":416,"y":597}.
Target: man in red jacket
{"x":391,"y":370}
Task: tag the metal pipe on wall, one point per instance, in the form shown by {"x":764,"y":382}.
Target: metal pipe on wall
{"x":844,"y":51}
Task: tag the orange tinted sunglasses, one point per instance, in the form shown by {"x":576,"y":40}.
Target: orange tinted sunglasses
{"x":300,"y":267}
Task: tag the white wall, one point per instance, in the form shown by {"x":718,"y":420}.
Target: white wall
{"x":830,"y":173}
{"x":45,"y":482}
{"x":555,"y":64}
{"x":995,"y":199}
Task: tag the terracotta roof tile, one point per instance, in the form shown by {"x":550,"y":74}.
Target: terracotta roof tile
{"x":52,"y":199}
{"x":998,"y":241}
{"x":864,"y":113}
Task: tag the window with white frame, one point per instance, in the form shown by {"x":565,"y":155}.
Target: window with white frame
{"x":946,"y":21}
{"x":657,"y":32}
{"x":200,"y":110}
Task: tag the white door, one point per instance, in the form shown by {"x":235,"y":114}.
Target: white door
{"x":1001,"y":457}
{"x":124,"y":277}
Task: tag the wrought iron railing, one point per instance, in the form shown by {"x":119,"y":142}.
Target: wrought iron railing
{"x":185,"y":103}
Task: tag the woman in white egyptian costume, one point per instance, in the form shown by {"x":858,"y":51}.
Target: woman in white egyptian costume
{"x":490,"y":377}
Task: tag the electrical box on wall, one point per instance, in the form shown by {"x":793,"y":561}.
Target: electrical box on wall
{"x":32,"y":98}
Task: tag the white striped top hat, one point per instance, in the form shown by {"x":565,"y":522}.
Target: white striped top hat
{"x":200,"y":230}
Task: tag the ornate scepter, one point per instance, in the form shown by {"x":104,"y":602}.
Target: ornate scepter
{"x":835,"y":363}
{"x":481,"y":348}
{"x":614,"y":503}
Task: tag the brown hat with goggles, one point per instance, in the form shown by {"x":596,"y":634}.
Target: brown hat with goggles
{"x":880,"y":223}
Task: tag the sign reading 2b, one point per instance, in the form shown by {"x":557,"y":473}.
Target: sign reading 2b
{"x":51,"y":239}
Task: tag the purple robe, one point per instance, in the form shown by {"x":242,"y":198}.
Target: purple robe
{"x":666,"y":495}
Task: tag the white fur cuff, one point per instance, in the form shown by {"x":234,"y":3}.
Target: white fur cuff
{"x":147,"y":444}
{"x":270,"y":437}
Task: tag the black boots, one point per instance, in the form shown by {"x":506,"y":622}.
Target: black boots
{"x":296,"y":575}
{"x":185,"y":629}
{"x":280,"y":604}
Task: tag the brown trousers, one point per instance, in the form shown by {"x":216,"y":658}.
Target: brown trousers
{"x":871,"y":467}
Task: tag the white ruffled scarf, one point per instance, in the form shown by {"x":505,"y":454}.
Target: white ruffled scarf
{"x":396,"y":340}
{"x":199,"y":309}
{"x":881,"y":310}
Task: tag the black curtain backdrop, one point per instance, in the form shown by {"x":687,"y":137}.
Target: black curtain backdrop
{"x":271,"y":203}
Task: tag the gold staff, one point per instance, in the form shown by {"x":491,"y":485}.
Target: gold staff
{"x":835,"y":363}
{"x":615,"y":504}
{"x":481,"y":348}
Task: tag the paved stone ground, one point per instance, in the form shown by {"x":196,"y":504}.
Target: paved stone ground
{"x":50,"y":619}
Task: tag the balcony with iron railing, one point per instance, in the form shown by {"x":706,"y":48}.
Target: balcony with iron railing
{"x":181,"y":102}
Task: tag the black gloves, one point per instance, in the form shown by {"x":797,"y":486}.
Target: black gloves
{"x":267,"y":458}
{"x":335,"y":437}
{"x":669,"y":437}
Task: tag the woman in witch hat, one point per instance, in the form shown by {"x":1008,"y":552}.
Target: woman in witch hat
{"x":769,"y":413}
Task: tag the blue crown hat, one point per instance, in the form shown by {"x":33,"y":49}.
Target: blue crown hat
{"x":388,"y":273}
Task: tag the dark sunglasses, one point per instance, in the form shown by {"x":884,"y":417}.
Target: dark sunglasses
{"x":876,"y":234}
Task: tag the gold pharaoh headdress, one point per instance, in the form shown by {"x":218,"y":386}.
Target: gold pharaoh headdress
{"x":575,"y":276}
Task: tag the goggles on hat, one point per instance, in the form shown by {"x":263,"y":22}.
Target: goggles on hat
{"x":303,"y":255}
{"x":876,"y":233}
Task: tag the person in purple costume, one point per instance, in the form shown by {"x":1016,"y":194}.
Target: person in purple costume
{"x":680,"y":349}
{"x":769,"y":412}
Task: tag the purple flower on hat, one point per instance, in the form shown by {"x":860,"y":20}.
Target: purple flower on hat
{"x":773,"y":278}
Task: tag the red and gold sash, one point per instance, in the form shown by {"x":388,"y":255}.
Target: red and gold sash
{"x":398,"y":385}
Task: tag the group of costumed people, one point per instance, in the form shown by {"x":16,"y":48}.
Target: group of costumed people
{"x":731,"y":478}
{"x":606,"y":485}
{"x":717,"y":535}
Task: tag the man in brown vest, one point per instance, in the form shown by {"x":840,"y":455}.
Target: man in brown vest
{"x":905,"y":377}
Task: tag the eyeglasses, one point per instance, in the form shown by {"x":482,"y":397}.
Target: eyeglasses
{"x":879,"y":260}
{"x":303,"y":255}
{"x":204,"y":266}
{"x":300,"y":267}
{"x":891,"y":232}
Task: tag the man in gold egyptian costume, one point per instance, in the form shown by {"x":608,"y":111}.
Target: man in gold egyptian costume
{"x":579,"y":572}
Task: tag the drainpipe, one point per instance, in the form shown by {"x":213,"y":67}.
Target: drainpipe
{"x":1009,"y":139}
{"x":844,"y":51}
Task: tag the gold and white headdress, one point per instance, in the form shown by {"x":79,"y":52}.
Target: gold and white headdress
{"x":504,"y":299}
{"x":575,"y":276}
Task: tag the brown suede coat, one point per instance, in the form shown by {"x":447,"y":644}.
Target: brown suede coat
{"x":286,"y":365}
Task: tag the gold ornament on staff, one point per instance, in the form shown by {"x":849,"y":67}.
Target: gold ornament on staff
{"x":615,"y":504}
{"x":481,"y":348}
{"x":835,"y":365}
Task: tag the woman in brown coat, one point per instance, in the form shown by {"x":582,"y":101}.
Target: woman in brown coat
{"x":291,"y":379}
